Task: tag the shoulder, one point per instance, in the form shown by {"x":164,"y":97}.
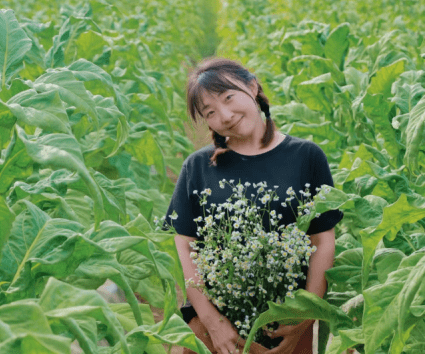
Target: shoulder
{"x":199,"y":158}
{"x":304,"y":146}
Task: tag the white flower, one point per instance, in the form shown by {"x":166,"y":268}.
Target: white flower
{"x":195,"y":192}
{"x":173,"y":216}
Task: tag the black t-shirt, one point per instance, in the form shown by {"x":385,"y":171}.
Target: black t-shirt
{"x":293,"y":163}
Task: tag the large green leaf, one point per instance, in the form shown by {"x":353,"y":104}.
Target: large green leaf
{"x":315,"y":66}
{"x":44,"y":110}
{"x":7,"y":121}
{"x":377,"y":108}
{"x":63,"y":49}
{"x":317,"y":93}
{"x":63,"y":151}
{"x":6,"y":220}
{"x":389,"y":307}
{"x":408,"y":90}
{"x":146,"y":150}
{"x":415,"y":135}
{"x":14,"y":43}
{"x":293,"y":112}
{"x":15,"y":165}
{"x":70,"y":91}
{"x":74,"y":310}
{"x":175,"y":332}
{"x":407,"y":209}
{"x":336,"y":46}
{"x":304,"y":305}
{"x":89,"y":44}
{"x":36,"y":237}
{"x":99,"y":82}
{"x":25,"y":329}
{"x":346,"y":339}
{"x":381,"y":83}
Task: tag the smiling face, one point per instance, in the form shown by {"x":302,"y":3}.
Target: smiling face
{"x":232,"y":113}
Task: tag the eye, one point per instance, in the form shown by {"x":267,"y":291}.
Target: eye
{"x":228,"y":97}
{"x":209,"y":114}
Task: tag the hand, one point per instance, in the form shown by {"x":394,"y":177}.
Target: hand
{"x":224,"y":336}
{"x":291,"y":336}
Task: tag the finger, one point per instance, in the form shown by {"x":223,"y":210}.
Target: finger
{"x":274,"y":334}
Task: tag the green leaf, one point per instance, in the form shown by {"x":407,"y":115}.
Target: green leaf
{"x":63,"y":305}
{"x":28,"y":331}
{"x":16,"y":164}
{"x":146,"y":150}
{"x":157,"y":107}
{"x":7,"y":121}
{"x":347,"y":269}
{"x":377,"y":108}
{"x":413,"y":293}
{"x":407,"y":209}
{"x":35,"y":237}
{"x":304,"y":305}
{"x":347,"y":339}
{"x":381,"y":83}
{"x":109,"y":114}
{"x":408,"y":90}
{"x":63,"y":151}
{"x":293,"y":112}
{"x":388,"y":307}
{"x":314,"y":66}
{"x":113,"y":195}
{"x":357,"y":79}
{"x":176,"y":332}
{"x":387,"y":260}
{"x":21,"y":316}
{"x":6,"y":219}
{"x":44,"y":110}
{"x":89,"y":44}
{"x":309,"y":40}
{"x":317,"y":93}
{"x":14,"y":43}
{"x":415,"y":135}
{"x":70,"y":91}
{"x":336,"y":47}
{"x":125,"y":315}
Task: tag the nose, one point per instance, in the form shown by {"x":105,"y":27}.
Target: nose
{"x":226,"y":115}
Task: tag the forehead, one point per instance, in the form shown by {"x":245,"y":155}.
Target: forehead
{"x":206,"y":95}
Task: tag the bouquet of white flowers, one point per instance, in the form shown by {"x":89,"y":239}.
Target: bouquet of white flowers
{"x":242,"y":265}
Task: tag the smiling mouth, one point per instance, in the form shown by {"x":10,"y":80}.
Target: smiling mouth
{"x":233,"y":126}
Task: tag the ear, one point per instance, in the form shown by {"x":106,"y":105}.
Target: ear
{"x":253,"y":86}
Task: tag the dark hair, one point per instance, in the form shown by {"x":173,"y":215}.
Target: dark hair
{"x":212,"y":75}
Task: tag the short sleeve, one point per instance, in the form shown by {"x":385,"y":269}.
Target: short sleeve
{"x":182,"y":205}
{"x":321,"y":174}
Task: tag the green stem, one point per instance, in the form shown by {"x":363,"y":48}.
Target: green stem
{"x":130,"y":297}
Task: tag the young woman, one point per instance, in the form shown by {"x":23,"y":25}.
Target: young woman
{"x":247,"y":149}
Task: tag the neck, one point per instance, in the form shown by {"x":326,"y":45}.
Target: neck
{"x":248,"y":147}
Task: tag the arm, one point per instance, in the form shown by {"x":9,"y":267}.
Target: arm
{"x":223,"y":335}
{"x":320,"y":261}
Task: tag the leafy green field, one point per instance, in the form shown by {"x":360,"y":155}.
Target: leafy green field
{"x":92,"y":135}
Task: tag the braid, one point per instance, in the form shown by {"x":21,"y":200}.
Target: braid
{"x":220,"y":147}
{"x":263,"y":102}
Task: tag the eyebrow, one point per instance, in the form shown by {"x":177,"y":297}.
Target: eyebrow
{"x":205,"y":107}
